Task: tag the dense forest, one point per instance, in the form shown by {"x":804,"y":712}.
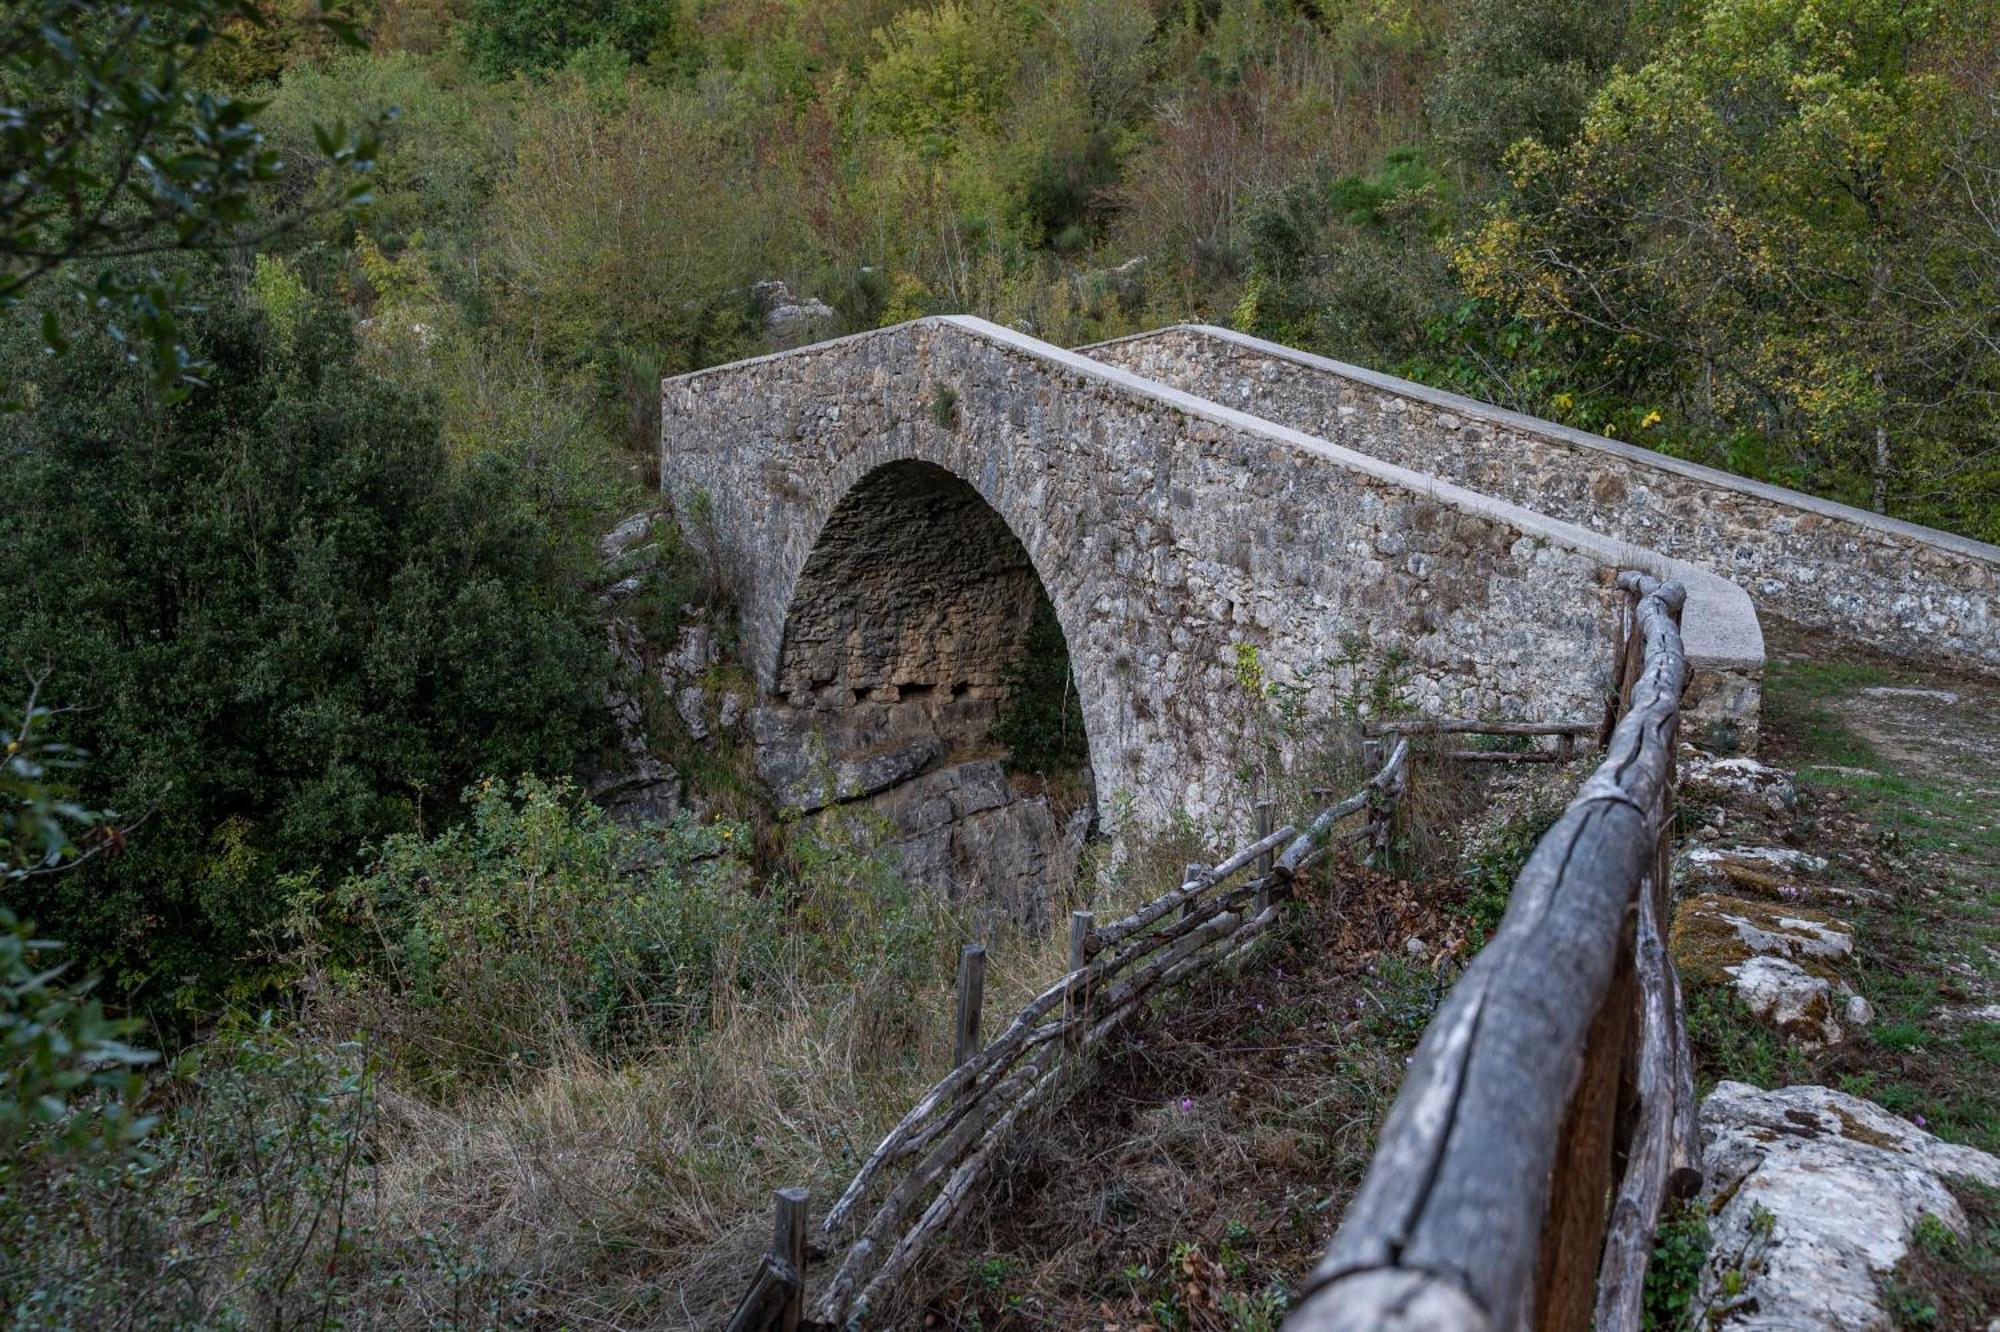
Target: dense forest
{"x":314,"y":419}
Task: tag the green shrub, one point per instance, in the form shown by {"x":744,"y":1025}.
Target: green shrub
{"x":247,"y":1207}
{"x":1040,"y":719}
{"x":479,"y":950}
{"x":289,"y":621}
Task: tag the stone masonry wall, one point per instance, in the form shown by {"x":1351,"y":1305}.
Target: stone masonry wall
{"x":1185,"y":548}
{"x":1897,"y":586}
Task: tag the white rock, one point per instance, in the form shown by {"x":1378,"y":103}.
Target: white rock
{"x":1927,"y":695}
{"x":1777,"y":857}
{"x":1788,"y":997}
{"x":632,"y":530}
{"x":729,"y":712}
{"x":692,"y":705}
{"x":1819,"y":1195}
{"x":1416,"y":949}
{"x":1859,"y":1011}
{"x":1763,"y":784}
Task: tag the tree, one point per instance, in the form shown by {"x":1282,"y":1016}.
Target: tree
{"x":1524,"y":69}
{"x":111,"y":148}
{"x":296,"y":624}
{"x":1779,"y":230}
{"x":504,"y":37}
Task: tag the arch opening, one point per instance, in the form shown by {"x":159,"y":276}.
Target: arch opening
{"x":922,"y":671}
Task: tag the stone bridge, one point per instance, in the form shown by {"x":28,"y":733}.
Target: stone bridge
{"x":891,"y":510}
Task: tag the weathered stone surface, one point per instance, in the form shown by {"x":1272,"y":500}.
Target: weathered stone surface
{"x":806,"y":773}
{"x":1789,"y":999}
{"x":1780,"y":873}
{"x":1712,"y":932}
{"x":691,"y":705}
{"x":791,"y":320}
{"x":729,"y":712}
{"x":1177,"y":542}
{"x":613,"y":545}
{"x":1814,"y":1197}
{"x":961,"y":830}
{"x":1742,"y":778}
{"x":647,"y":792}
{"x":1901,"y":587}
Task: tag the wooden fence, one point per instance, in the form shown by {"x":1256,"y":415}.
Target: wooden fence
{"x":1549,"y":1111}
{"x":925,"y":1170}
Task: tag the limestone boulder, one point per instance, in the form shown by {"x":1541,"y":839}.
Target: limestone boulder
{"x":1813,"y":1197}
{"x":1740,"y":780}
{"x":1785,"y":996}
{"x":1713,"y":932}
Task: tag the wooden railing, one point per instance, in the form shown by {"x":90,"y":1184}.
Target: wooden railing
{"x":1548,"y":1113}
{"x":924,"y":1171}
{"x":1566,"y":734}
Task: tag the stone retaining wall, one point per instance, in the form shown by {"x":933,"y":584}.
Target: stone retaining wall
{"x":1894,"y":585}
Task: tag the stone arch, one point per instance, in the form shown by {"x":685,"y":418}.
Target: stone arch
{"x":887,"y":675}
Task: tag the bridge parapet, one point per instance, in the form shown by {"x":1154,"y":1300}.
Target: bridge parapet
{"x":1199,"y":560}
{"x":1906,"y":589}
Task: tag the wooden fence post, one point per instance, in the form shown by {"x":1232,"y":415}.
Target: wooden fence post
{"x":788,"y":1241}
{"x":1076,"y":1005}
{"x":1189,"y":874}
{"x":971,"y":994}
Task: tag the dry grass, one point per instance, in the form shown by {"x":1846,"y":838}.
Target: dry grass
{"x":1197,"y":1176}
{"x":636,"y":1194}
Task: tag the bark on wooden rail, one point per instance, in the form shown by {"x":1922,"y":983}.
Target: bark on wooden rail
{"x":1450,"y":1218}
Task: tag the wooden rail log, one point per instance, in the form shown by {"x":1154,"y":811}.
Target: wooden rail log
{"x":1453,"y":1207}
{"x":1108,"y":935}
{"x":1388,"y":781}
{"x":959,"y":1124}
{"x":1474,"y":726}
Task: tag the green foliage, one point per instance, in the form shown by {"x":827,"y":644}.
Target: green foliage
{"x":504,"y":37}
{"x":67,"y":1075}
{"x":291,"y":618}
{"x":1486,"y":878}
{"x":943,"y":71}
{"x":631,"y":218}
{"x":481,"y":947}
{"x":110,"y":145}
{"x":1680,"y":1246}
{"x":1524,"y":69}
{"x":66,"y":1070}
{"x":443,"y":143}
{"x":1040,"y":718}
{"x":1781,"y":225}
{"x":243,"y":1209}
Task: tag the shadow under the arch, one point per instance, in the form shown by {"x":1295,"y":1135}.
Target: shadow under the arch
{"x":919,"y":684}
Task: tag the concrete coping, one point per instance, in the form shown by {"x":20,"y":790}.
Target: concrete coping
{"x":1719,"y":631}
{"x":1583,"y":439}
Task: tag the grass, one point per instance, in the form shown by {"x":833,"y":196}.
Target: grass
{"x":1199,"y":1174}
{"x":1948,"y":1280}
{"x":1925,"y":839}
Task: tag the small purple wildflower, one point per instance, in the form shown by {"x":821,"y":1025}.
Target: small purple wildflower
{"x":1921,"y":1122}
{"x":1187,"y":1105}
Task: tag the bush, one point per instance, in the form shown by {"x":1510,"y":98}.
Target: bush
{"x":292,"y":622}
{"x":478,"y":952}
{"x":504,"y":37}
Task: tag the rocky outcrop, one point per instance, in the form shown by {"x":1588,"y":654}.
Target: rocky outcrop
{"x":1779,"y":959}
{"x":792,"y":321}
{"x":955,"y":822}
{"x":1813,"y":1198}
